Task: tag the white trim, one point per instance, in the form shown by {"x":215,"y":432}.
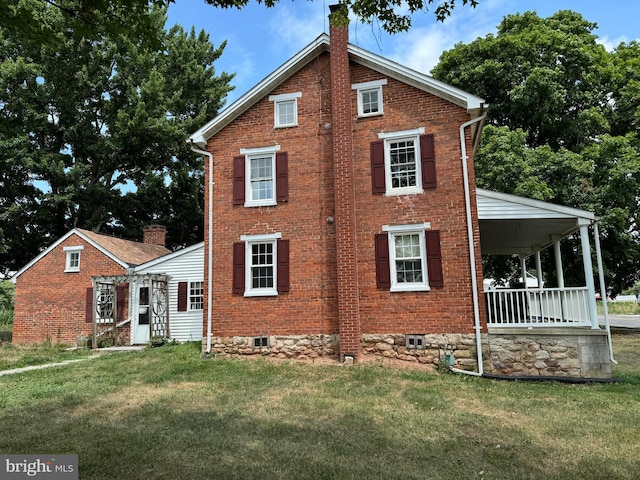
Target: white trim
{"x":68,"y":268}
{"x":372,"y":84}
{"x":285,"y":96}
{"x":401,"y":133}
{"x":259,"y":150}
{"x":73,"y":248}
{"x":265,"y":237}
{"x":168,"y":257}
{"x":267,"y":152}
{"x":406,"y":228}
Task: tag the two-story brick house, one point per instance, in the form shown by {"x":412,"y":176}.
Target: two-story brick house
{"x":339,"y":215}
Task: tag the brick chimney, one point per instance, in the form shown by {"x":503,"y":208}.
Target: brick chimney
{"x":155,"y":235}
{"x":345,"y":218}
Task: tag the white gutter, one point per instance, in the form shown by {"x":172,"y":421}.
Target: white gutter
{"x":210,"y":243}
{"x":603,"y":290}
{"x":472,"y":251}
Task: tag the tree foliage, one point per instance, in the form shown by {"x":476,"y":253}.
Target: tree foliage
{"x":92,"y":130}
{"x":563,"y":127}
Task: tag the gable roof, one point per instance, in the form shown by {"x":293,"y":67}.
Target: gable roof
{"x":169,"y":257}
{"x":474,"y":105}
{"x":127,"y":253}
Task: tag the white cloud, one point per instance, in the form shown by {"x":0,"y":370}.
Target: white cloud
{"x":611,"y":43}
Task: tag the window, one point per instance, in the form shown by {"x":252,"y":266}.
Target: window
{"x":369,"y":97}
{"x":73,"y":258}
{"x":408,"y":258}
{"x":414,"y":342}
{"x":260,"y":177}
{"x":196,"y":295}
{"x":261,"y":265}
{"x":285,"y":109}
{"x":403,"y":163}
{"x":260,"y":342}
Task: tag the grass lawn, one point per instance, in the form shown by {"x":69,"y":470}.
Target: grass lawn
{"x":166,"y":413}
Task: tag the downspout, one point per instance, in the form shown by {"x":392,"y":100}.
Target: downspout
{"x":209,"y":244}
{"x":472,"y":251}
{"x":603,"y":290}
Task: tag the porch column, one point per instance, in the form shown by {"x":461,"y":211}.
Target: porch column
{"x":523,"y":268}
{"x":588,"y":273}
{"x":558,"y":259}
{"x":538,"y":267}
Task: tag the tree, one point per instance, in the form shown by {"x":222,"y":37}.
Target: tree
{"x":92,"y":125}
{"x":563,"y":127}
{"x":129,"y":16}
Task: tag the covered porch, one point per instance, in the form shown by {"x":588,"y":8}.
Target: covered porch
{"x":517,"y":226}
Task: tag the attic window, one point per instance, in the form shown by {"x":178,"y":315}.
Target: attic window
{"x":285,"y":109}
{"x":73,"y":258}
{"x":369,"y":97}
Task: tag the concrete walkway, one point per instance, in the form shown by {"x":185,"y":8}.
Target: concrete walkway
{"x":135,"y":348}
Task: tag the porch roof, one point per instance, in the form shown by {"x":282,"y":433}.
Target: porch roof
{"x":516,"y":225}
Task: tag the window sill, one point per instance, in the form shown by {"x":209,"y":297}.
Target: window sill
{"x":261,"y":203}
{"x":405,"y":191}
{"x":72,"y":270}
{"x":290,"y":125}
{"x":267,"y":292}
{"x":410,"y":288}
{"x":368,"y":115}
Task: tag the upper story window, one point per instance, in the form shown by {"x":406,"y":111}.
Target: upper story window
{"x":72,"y":263}
{"x":260,"y":177}
{"x":285,"y":109}
{"x":402,"y":165}
{"x":261,"y":265}
{"x":369,"y":97}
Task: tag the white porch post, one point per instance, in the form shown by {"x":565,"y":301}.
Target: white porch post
{"x":603,"y":289}
{"x":558,"y":259}
{"x":538,"y":267}
{"x":523,"y":268}
{"x":588,"y":273}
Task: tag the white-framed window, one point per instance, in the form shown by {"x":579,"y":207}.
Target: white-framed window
{"x":285,"y":109}
{"x":403,"y":168}
{"x":370,"y":97}
{"x":196,"y":295}
{"x":260,"y":172}
{"x":72,"y":263}
{"x":261,"y":262}
{"x":407,"y":257}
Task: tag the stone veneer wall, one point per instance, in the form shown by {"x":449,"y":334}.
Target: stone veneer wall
{"x":550,"y":352}
{"x":299,"y":347}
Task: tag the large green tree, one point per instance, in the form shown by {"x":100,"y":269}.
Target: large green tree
{"x":92,"y":129}
{"x":563,"y":127}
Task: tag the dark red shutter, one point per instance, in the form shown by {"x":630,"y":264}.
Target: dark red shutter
{"x":183,"y":289}
{"x":238,"y":267}
{"x":377,"y":167}
{"x":121,"y":299}
{"x":383,"y":270}
{"x":428,"y":159}
{"x":238,"y":180}
{"x":89,"y":305}
{"x":282,"y":177}
{"x":283,"y":265}
{"x":434,"y":258}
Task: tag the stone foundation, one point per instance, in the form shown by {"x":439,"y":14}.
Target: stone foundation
{"x":550,"y":352}
{"x":459,"y":349}
{"x":299,"y":347}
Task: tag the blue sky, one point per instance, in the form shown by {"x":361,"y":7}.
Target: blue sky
{"x":260,"y":39}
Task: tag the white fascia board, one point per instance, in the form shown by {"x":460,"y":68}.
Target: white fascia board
{"x":249,"y":99}
{"x":551,"y":207}
{"x":168,"y":257}
{"x":58,"y":242}
{"x":416,"y":79}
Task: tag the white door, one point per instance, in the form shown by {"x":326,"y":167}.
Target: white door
{"x":140,"y":324}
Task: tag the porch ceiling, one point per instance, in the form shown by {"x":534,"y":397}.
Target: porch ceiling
{"x":517,"y":225}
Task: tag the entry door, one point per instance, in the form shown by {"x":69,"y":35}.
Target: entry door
{"x":141,"y":321}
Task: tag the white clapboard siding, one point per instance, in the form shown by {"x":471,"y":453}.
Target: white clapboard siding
{"x":186,"y":265}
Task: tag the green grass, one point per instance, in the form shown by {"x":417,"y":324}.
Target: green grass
{"x":619,"y":308}
{"x":165,"y":413}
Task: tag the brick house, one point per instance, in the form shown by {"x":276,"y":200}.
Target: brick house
{"x":342,"y":219}
{"x":54,"y":290}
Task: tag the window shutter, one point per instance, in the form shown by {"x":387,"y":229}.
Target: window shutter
{"x":121,"y":293}
{"x":377,"y":167}
{"x":238,"y":180}
{"x":434,"y":258}
{"x":183,"y":288}
{"x":238,"y":267}
{"x":428,"y":159}
{"x":283,"y":265}
{"x":89,"y":305}
{"x":383,"y":270}
{"x":282,"y":177}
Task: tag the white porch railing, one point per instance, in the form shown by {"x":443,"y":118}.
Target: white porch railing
{"x":545,"y":307}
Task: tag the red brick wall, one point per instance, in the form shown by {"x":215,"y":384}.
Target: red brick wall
{"x":311,"y":305}
{"x":50,"y":304}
